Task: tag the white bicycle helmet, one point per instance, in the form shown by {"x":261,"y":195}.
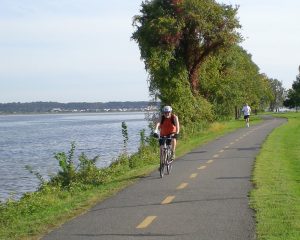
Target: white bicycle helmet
{"x":167,"y":109}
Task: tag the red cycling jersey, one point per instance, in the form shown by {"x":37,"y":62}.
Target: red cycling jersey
{"x":167,"y":127}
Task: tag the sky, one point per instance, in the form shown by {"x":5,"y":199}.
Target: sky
{"x":81,"y":50}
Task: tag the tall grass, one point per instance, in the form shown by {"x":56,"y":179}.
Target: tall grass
{"x":276,"y":176}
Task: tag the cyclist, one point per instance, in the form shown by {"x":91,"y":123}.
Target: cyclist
{"x":168,"y":125}
{"x":246,"y":110}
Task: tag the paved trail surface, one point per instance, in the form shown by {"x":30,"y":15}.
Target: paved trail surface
{"x":204,"y":198}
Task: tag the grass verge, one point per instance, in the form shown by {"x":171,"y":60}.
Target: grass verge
{"x":276,"y":177}
{"x":40,"y":212}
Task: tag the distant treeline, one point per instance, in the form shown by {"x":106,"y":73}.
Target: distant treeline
{"x":41,"y":107}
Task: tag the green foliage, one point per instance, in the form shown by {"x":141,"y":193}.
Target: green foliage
{"x":278,"y":94}
{"x":142,"y":138}
{"x":88,"y":173}
{"x":265,"y":92}
{"x":194,"y":63}
{"x":293,"y":96}
{"x":125,"y":136}
{"x":67,"y":172}
{"x":230,"y":78}
{"x":85,"y":173}
{"x":175,"y":37}
{"x":42,"y":181}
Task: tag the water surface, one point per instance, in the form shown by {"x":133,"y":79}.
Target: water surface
{"x":33,"y":140}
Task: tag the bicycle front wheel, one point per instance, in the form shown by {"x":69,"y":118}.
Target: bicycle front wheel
{"x":169,"y":163}
{"x":163,"y":160}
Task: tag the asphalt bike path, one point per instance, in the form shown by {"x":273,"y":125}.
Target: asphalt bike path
{"x":204,"y":198}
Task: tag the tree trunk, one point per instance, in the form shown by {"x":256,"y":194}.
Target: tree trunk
{"x":194,"y":81}
{"x":237,"y":112}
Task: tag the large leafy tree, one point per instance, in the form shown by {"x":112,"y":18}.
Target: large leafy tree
{"x":264,"y":92}
{"x":230,"y":79}
{"x":278,"y":94}
{"x":178,"y":35}
{"x":293,"y":96}
{"x":175,"y":38}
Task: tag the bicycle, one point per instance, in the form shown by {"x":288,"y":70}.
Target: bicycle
{"x":165,"y":155}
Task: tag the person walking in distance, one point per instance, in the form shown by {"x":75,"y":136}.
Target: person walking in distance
{"x":246,"y":110}
{"x":168,"y":126}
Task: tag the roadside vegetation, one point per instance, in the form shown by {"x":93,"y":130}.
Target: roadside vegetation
{"x":76,"y":188}
{"x":276,"y":177}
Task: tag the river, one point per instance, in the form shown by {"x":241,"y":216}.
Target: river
{"x":34,"y":139}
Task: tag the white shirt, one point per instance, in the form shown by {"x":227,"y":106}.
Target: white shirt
{"x":246,"y":110}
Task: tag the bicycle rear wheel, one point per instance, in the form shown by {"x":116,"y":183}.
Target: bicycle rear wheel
{"x":161,"y":169}
{"x":169,"y":167}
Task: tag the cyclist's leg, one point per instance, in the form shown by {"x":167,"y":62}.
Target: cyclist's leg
{"x":161,"y":155}
{"x":163,"y":161}
{"x":161,"y":150}
{"x":174,"y":142}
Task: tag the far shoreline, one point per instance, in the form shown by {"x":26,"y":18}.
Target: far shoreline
{"x":68,"y":112}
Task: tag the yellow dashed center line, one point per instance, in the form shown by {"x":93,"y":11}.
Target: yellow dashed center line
{"x":193,"y":175}
{"x":182,"y":186}
{"x":201,"y":167}
{"x":147,"y":221}
{"x":168,"y":200}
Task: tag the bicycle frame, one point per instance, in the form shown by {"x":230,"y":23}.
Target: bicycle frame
{"x":165,"y":154}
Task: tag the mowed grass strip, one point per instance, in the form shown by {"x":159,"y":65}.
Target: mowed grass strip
{"x":276,"y":177}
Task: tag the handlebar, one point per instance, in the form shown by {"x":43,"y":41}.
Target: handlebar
{"x":167,"y":137}
{"x":174,"y":135}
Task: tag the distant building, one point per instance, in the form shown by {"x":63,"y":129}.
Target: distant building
{"x":56,"y":110}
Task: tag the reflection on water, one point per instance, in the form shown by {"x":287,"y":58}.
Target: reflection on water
{"x":33,"y":140}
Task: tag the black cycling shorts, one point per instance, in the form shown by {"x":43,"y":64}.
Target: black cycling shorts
{"x":162,"y":141}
